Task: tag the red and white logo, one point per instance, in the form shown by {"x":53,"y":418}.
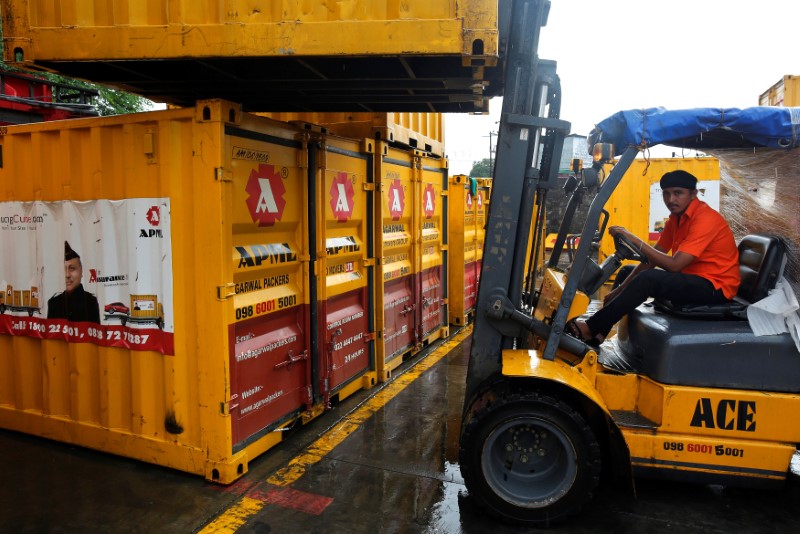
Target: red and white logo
{"x":429,"y":201}
{"x":154,"y":216}
{"x":480,"y":200}
{"x":469,"y":200}
{"x":397,"y":200}
{"x":342,"y":197}
{"x":266,"y":191}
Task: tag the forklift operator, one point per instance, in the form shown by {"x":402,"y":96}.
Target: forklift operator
{"x":703,"y":267}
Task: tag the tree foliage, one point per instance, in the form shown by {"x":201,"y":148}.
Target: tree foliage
{"x":109,"y":101}
{"x":482,"y":169}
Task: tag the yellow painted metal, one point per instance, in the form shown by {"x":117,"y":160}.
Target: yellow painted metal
{"x":581,"y":377}
{"x":552,"y":288}
{"x":424,"y":131}
{"x":106,"y":29}
{"x":431,"y":228}
{"x":395,"y":251}
{"x":466,"y":221}
{"x":755,"y":459}
{"x":345,"y":270}
{"x":119,"y":400}
{"x":704,"y":430}
{"x":631,"y":205}
{"x":786,"y":92}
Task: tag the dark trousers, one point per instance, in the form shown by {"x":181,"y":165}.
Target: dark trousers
{"x":678,"y":288}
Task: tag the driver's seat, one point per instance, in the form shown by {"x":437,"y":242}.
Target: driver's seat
{"x":761,"y":261}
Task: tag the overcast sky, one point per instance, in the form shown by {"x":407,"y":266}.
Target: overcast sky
{"x":625,"y":54}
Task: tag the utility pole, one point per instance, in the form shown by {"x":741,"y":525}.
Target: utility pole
{"x":491,"y":150}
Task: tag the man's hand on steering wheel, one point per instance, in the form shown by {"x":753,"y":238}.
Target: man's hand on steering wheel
{"x":628,"y":246}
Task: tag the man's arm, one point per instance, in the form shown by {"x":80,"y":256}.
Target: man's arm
{"x":655,"y":255}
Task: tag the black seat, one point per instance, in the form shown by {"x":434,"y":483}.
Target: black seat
{"x":761,"y":260}
{"x":699,"y":346}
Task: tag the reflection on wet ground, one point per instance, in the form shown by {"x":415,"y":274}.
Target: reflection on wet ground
{"x":396,"y":473}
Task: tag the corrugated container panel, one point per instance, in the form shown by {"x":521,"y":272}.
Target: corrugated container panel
{"x":637,"y":205}
{"x":786,"y":92}
{"x":424,"y":131}
{"x":432,"y":270}
{"x":396,"y":295}
{"x":358,"y":55}
{"x":467,"y":218}
{"x":346,"y":282}
{"x":202,"y":214}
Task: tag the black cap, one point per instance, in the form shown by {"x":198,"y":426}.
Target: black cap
{"x":69,"y":254}
{"x":679,"y":179}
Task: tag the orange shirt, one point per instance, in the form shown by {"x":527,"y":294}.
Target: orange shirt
{"x":703,"y":233}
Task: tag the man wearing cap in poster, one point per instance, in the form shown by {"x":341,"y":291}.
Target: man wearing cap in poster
{"x":703,"y":267}
{"x":74,"y":304}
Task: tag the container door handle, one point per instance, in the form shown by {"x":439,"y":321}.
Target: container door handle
{"x":290,"y":359}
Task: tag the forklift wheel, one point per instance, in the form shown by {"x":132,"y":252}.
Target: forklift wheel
{"x":527,"y":458}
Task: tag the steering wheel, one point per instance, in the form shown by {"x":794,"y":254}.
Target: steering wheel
{"x":626,"y":250}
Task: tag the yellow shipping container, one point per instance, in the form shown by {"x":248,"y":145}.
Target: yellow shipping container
{"x":384,"y":55}
{"x":411,"y":252}
{"x":467,"y":219}
{"x":786,"y":92}
{"x":203,"y":214}
{"x":345,"y":283}
{"x":636,"y":203}
{"x":424,"y":131}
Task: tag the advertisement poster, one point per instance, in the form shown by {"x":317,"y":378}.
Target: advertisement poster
{"x":707,"y":191}
{"x":97,"y":271}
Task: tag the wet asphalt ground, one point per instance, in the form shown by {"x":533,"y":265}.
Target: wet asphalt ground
{"x":382,"y":461}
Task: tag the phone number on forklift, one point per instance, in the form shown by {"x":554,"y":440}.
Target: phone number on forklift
{"x":717,"y":450}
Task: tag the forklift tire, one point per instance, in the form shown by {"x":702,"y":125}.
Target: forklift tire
{"x":528,"y":458}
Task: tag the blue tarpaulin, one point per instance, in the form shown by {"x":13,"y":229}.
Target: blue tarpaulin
{"x":702,"y":128}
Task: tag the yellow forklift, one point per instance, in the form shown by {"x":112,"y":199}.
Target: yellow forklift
{"x":679,"y":393}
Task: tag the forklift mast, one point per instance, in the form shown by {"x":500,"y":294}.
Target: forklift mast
{"x":529,"y":144}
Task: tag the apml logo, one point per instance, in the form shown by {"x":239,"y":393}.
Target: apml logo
{"x":266,"y":191}
{"x":153,"y":217}
{"x":342,"y":197}
{"x":480,"y":200}
{"x":397,"y":200}
{"x":429,"y":201}
{"x":469,"y":200}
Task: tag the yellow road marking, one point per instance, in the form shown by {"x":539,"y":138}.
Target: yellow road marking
{"x":238,"y":514}
{"x":235,"y":516}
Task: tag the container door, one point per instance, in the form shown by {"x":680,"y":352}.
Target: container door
{"x":433,"y":217}
{"x":269,"y":340}
{"x":346,"y":286}
{"x":470,"y":248}
{"x":481,"y":206}
{"x":399,"y":295}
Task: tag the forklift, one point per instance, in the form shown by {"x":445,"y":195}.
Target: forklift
{"x":684,"y":393}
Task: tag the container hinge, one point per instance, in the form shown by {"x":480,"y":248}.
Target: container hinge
{"x":227,"y":291}
{"x":445,"y":193}
{"x":223,"y":175}
{"x":370,"y":262}
{"x":227,"y":407}
{"x":366,"y":186}
{"x":445,"y":247}
{"x":369,"y":337}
